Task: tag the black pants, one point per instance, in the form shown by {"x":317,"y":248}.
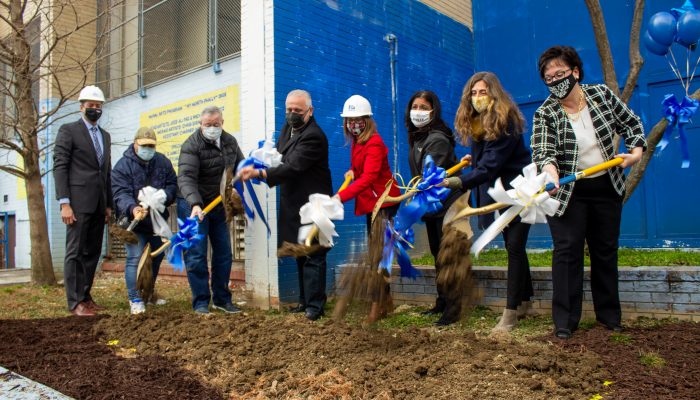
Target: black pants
{"x":519,"y":279}
{"x":312,"y":281}
{"x":434,"y":230}
{"x":83,"y":248}
{"x":593,"y":215}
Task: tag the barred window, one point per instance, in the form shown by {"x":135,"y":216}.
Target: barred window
{"x":143,"y":43}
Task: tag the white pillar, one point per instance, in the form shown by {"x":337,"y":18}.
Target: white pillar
{"x":258,"y":123}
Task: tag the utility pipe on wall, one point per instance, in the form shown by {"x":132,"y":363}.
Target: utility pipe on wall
{"x":393,"y":53}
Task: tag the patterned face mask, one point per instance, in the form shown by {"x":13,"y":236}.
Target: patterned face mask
{"x":481,"y":103}
{"x":356,"y":127}
{"x":562,"y":87}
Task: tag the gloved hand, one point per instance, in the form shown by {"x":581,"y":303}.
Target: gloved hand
{"x":454,"y":182}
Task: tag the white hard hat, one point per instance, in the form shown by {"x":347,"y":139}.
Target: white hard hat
{"x":91,"y":93}
{"x":356,"y":106}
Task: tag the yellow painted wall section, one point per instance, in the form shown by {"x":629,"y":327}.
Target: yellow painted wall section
{"x":459,"y":10}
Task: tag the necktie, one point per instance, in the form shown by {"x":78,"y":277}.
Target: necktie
{"x":98,"y":148}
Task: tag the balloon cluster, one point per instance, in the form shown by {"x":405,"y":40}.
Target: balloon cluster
{"x":680,"y":26}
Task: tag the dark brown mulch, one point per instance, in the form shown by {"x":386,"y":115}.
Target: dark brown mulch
{"x":678,"y":344}
{"x":65,"y":354}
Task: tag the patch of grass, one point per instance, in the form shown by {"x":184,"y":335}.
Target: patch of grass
{"x":407,"y":319}
{"x":621,"y":338}
{"x":626,"y":257}
{"x":533,"y":326}
{"x":651,"y":359}
{"x":587,"y":323}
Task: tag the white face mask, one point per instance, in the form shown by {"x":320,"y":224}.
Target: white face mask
{"x":212,"y":132}
{"x":420,"y":118}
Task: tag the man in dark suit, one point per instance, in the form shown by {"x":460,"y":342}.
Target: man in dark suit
{"x":304,"y":171}
{"x":82,"y":169}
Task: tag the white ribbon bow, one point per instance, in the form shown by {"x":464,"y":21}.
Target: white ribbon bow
{"x":320,"y":210}
{"x":154,"y":199}
{"x":527,"y":199}
{"x":267,"y":154}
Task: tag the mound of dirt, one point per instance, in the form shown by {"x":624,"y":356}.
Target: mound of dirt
{"x":66,"y":354}
{"x":675,"y":373}
{"x":254,"y":355}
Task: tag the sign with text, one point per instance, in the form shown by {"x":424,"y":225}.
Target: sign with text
{"x":175,"y":122}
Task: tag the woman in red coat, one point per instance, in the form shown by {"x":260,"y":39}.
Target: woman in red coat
{"x":371,"y":173}
{"x":369,"y":162}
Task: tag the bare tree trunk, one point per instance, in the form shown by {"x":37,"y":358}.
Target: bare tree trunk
{"x":601,"y":40}
{"x":653,"y":139}
{"x":636,"y":60}
{"x":41,"y":262}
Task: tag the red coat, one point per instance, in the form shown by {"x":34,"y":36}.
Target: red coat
{"x":371,"y":168}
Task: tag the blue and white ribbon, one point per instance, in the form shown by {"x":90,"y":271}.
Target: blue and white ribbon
{"x":187,"y":236}
{"x":678,"y":115}
{"x":265,"y":156}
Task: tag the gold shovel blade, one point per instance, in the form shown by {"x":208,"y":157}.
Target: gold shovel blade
{"x":461,"y":224}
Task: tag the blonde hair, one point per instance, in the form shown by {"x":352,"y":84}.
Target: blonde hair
{"x":362,"y":138}
{"x":502,"y":116}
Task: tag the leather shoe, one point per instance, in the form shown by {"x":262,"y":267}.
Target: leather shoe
{"x":93,"y":306}
{"x":563,"y":333}
{"x":312,"y":315}
{"x":82,"y":310}
{"x":444,"y":322}
{"x":297,"y":309}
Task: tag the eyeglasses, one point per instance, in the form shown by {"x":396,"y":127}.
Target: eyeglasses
{"x":557,"y":76}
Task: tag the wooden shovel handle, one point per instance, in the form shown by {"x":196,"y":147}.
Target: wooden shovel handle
{"x":456,"y":168}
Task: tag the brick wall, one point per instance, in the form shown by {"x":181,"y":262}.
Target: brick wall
{"x":656,"y":292}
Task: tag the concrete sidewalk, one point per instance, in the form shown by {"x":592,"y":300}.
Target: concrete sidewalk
{"x":15,"y":276}
{"x":15,"y":386}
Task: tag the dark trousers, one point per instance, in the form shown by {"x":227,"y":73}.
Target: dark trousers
{"x":83,"y":248}
{"x":592,"y":215}
{"x":519,"y":280}
{"x":312,"y":281}
{"x":215,"y":228}
{"x":434,"y":229}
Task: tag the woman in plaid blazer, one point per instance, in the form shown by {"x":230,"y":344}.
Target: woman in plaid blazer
{"x":573,"y":130}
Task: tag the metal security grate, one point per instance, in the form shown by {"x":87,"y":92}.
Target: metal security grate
{"x":142,"y":43}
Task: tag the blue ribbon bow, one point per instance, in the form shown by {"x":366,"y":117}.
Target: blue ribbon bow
{"x":187,"y":236}
{"x":400,"y":237}
{"x":256,"y":164}
{"x":678,"y":114}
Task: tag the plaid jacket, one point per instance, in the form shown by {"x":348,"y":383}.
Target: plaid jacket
{"x":553,"y":140}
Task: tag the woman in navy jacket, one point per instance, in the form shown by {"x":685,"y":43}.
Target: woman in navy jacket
{"x":489,"y":119}
{"x":141,"y":166}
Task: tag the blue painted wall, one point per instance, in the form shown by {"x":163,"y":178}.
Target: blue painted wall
{"x":335,"y":49}
{"x":508,"y":40}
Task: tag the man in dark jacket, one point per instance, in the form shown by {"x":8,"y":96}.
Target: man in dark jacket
{"x":140,"y":167}
{"x":304,"y":171}
{"x":82,"y":169}
{"x":203,"y":159}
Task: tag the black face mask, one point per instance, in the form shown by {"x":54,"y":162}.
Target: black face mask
{"x":562,"y":87}
{"x":93,"y":114}
{"x":295,"y":120}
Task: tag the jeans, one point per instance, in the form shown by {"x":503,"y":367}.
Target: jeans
{"x":215,"y":228}
{"x":133,"y":255}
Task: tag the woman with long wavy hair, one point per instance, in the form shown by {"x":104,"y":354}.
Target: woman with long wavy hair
{"x":489,"y":120}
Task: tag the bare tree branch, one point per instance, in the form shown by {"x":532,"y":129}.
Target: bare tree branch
{"x":13,"y":171}
{"x":601,"y":40}
{"x":636,"y":60}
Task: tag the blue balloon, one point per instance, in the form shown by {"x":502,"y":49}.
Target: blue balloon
{"x":653,"y":46}
{"x":688,"y":28}
{"x":662,"y":28}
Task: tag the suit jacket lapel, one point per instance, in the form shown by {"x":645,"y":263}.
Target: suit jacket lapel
{"x":289,"y":141}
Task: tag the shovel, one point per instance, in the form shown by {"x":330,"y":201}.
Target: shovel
{"x":308,"y":247}
{"x":385,"y":198}
{"x":126,"y":235}
{"x":467,"y":210}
